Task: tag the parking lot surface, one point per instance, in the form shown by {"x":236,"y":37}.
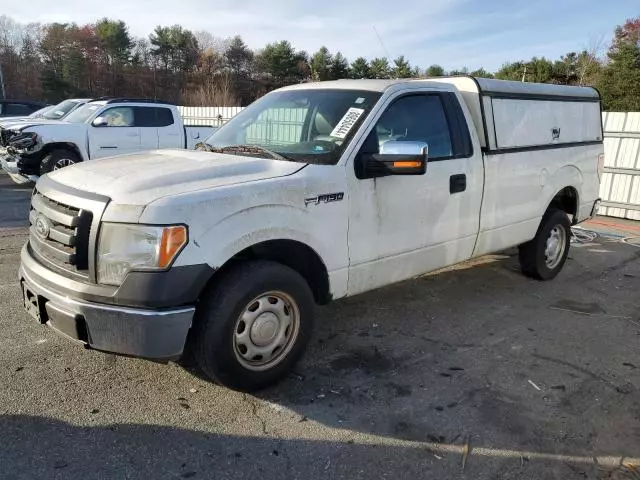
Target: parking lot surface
{"x":475,"y":372}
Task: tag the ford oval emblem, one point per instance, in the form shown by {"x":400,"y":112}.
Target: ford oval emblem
{"x":42,"y":226}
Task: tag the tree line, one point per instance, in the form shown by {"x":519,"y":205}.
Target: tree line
{"x":56,"y":61}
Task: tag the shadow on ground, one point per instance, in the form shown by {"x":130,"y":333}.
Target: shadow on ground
{"x":38,"y":448}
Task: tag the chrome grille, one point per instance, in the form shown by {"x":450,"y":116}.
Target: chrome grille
{"x":59,"y":234}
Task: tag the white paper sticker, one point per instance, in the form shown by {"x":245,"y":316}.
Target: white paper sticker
{"x":359,"y":100}
{"x":347,"y":122}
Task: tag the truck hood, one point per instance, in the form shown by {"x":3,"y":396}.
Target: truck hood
{"x":33,"y":122}
{"x":141,"y":178}
{"x":8,"y":120}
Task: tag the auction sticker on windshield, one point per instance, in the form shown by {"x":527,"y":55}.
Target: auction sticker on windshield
{"x":347,"y":122}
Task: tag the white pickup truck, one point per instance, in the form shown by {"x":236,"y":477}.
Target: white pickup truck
{"x":100,"y":128}
{"x":313,"y":193}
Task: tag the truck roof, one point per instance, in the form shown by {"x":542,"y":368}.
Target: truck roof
{"x":481,"y":95}
{"x":108,"y":100}
{"x":483,"y":86}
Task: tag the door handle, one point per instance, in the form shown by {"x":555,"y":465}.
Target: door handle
{"x":457,"y":183}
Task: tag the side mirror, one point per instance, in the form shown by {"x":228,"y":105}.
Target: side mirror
{"x":395,"y":158}
{"x":100,"y":122}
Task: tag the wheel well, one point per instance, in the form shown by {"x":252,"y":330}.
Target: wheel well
{"x":296,"y":255}
{"x":50,"y":147}
{"x":567,"y":201}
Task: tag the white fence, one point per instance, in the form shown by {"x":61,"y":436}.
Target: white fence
{"x":215,"y":116}
{"x":619,"y":189}
{"x":620,"y":185}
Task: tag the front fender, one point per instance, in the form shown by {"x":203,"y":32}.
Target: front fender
{"x":247,"y":227}
{"x":53,"y":136}
{"x":323,"y":230}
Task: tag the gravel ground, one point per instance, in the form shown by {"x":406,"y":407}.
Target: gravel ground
{"x":474,"y":372}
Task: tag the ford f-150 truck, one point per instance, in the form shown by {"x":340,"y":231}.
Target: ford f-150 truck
{"x":313,"y":193}
{"x":101,"y":128}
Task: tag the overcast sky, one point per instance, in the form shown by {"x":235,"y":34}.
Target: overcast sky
{"x":452,"y":33}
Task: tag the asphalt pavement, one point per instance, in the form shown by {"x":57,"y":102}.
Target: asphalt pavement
{"x":475,"y":372}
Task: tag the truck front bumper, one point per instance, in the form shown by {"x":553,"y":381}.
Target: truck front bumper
{"x":9,"y":164}
{"x":158,"y":334}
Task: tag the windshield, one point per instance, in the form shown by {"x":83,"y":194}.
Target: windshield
{"x":40,"y":113}
{"x":83,"y":113}
{"x":60,"y":110}
{"x":310,"y":125}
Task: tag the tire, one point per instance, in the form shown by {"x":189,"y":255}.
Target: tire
{"x":541,"y":258}
{"x":57,"y":159}
{"x":242,"y":320}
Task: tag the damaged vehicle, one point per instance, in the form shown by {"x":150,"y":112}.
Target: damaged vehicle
{"x":97,"y":129}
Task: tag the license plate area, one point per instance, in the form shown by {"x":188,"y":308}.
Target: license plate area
{"x":33,"y":303}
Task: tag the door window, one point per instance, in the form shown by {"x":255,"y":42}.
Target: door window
{"x":119,"y":117}
{"x":164,"y":117}
{"x":145,"y":116}
{"x":153,"y":117}
{"x":416,"y":118}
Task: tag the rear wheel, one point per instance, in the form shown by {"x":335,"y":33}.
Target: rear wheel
{"x":543,"y":257}
{"x":58,"y":159}
{"x":253,"y":325}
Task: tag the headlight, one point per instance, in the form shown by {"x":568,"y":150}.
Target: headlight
{"x":124,"y":247}
{"x":23,"y":141}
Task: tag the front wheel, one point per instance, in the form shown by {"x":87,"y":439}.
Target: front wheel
{"x":543,"y":257}
{"x":58,"y":159}
{"x":253,"y":325}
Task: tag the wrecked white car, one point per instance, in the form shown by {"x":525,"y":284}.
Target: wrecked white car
{"x":100,"y":128}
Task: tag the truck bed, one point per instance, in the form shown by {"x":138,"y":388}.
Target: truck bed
{"x":515,"y":116}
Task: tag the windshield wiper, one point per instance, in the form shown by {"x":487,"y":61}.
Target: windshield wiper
{"x":204,"y":147}
{"x":255,"y":149}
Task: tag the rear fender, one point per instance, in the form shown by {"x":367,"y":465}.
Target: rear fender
{"x":567,"y":176}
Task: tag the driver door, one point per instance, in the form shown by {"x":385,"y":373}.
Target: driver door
{"x":118,"y":135}
{"x":402,"y":226}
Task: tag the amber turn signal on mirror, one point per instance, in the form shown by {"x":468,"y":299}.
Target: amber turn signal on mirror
{"x":407,"y":164}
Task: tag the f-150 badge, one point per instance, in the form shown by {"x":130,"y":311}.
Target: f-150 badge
{"x":324,"y":198}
